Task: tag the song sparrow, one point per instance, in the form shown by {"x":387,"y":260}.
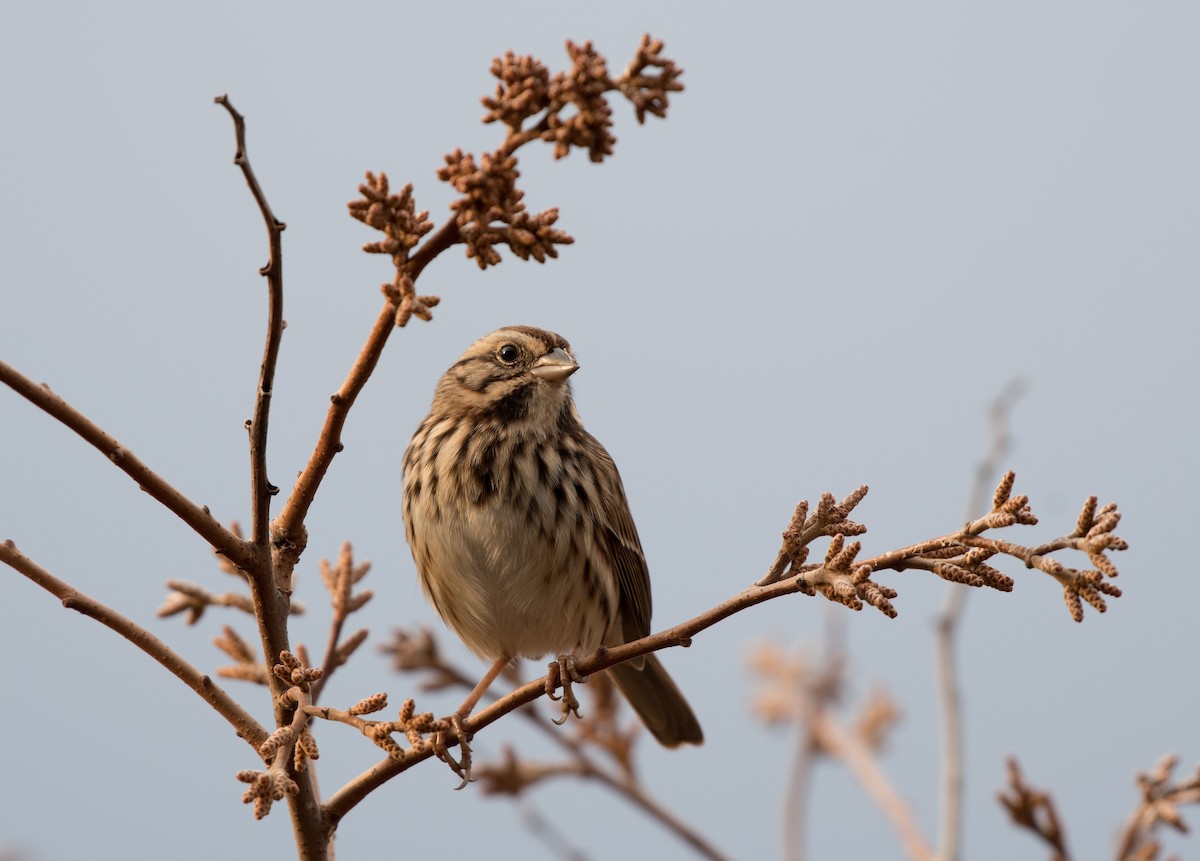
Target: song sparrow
{"x":520,"y":529}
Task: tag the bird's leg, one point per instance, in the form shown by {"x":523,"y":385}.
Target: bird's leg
{"x":462,"y":766}
{"x":562,"y":672}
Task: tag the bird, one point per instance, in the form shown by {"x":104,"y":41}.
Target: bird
{"x":521,"y":532}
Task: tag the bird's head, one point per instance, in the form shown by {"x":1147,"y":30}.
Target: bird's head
{"x":515,"y":375}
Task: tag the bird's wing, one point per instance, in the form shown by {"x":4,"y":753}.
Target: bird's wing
{"x":625,"y":552}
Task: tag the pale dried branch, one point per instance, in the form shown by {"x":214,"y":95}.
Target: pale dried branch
{"x":855,"y":753}
{"x":807,"y":693}
{"x":950,"y":780}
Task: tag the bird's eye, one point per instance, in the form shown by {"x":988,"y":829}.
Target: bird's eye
{"x":508,"y":354}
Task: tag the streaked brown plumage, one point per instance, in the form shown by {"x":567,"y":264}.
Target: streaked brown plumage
{"x":519,"y":525}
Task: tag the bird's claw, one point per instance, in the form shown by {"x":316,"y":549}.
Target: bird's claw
{"x":462,"y":765}
{"x":563,"y":673}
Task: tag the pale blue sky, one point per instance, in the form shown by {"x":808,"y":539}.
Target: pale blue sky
{"x":859,"y":222}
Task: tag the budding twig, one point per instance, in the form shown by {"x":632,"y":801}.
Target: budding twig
{"x":261,"y":490}
{"x":340,"y":581}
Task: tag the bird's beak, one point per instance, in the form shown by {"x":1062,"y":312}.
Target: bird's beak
{"x":555,"y":366}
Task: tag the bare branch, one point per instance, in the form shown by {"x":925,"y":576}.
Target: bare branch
{"x":245,"y":725}
{"x":945,"y":638}
{"x":807,"y":692}
{"x":851,"y":749}
{"x":270,"y":584}
{"x":223,"y":541}
{"x":261,"y":490}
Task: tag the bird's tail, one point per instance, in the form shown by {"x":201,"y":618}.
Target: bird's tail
{"x":657,"y":700}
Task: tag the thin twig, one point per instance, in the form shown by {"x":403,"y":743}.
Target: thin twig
{"x":821,"y":694}
{"x":199,"y":518}
{"x":946,"y":632}
{"x":336,"y":623}
{"x":340,"y":579}
{"x":73,"y":599}
{"x":261,"y":489}
{"x":795,"y":806}
{"x":269,"y":588}
{"x":552,"y":837}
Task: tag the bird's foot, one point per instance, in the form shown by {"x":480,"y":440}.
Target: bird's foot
{"x":563,"y":673}
{"x":462,"y":765}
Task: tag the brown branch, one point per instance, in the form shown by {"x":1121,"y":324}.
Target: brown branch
{"x":245,"y":725}
{"x":945,"y":638}
{"x":261,"y":489}
{"x":199,"y":518}
{"x":270,"y":585}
